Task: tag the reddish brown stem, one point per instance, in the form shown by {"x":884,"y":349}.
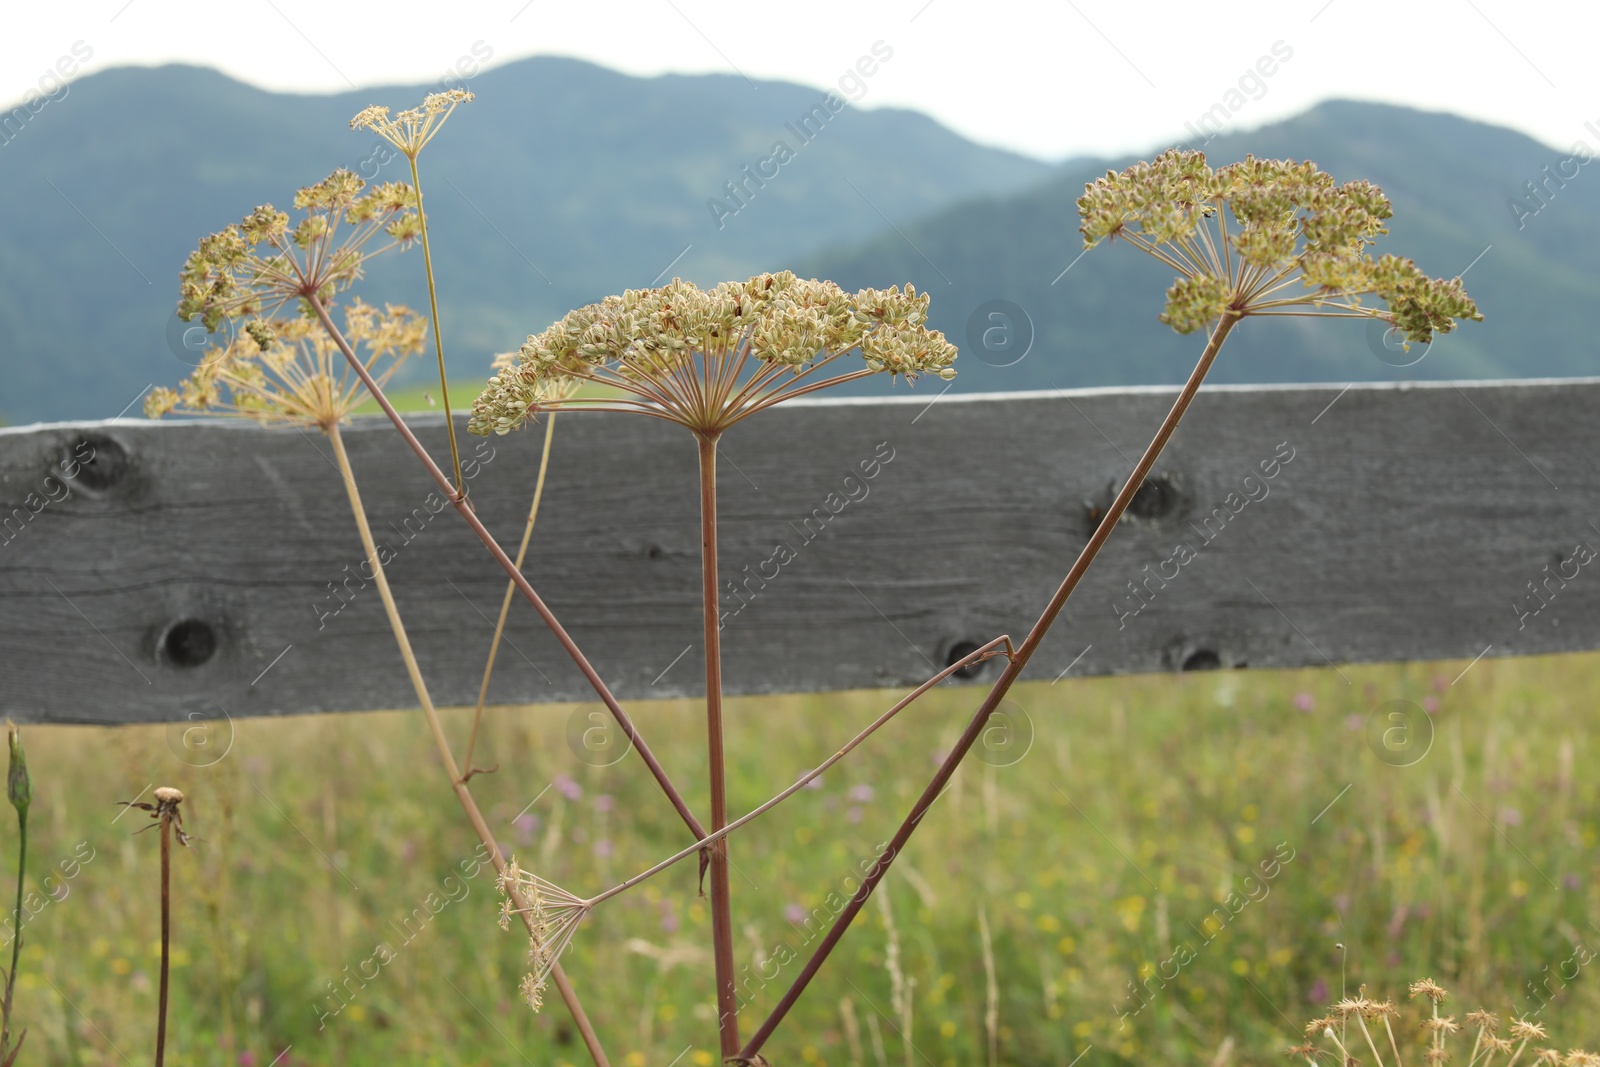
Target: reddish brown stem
{"x":505,"y":561}
{"x":166,"y":935}
{"x":978,"y":655}
{"x":721,"y":909}
{"x":997,"y":693}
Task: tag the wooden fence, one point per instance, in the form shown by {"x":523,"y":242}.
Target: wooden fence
{"x":157,"y":571}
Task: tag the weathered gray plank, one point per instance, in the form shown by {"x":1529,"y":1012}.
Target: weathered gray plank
{"x":1406,"y":526}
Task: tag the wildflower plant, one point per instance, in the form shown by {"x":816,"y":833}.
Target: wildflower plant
{"x":1292,"y":225}
{"x":168,"y":815}
{"x":707,"y":360}
{"x":279,"y":370}
{"x":1256,"y":238}
{"x":1351,"y":1030}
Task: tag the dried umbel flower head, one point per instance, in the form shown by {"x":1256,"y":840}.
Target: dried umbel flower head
{"x":255,"y":267}
{"x":1358,"y":1025}
{"x":709,"y":358}
{"x":551,"y":916}
{"x":1427,"y":987}
{"x":412,"y":129}
{"x":290,"y":370}
{"x":1297,"y":244}
{"x":554,"y":388}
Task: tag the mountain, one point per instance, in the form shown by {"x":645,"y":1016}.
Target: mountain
{"x":564,"y":181}
{"x":560,"y":183}
{"x":1534,"y":270}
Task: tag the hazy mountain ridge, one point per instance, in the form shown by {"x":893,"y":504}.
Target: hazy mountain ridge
{"x":1536,"y":278}
{"x":560,"y":183}
{"x":564,"y":182}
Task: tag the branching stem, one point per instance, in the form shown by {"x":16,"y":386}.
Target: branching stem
{"x":506,"y":563}
{"x":436,"y":728}
{"x":1001,"y":686}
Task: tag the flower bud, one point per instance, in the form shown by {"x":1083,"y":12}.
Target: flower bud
{"x":18,"y":788}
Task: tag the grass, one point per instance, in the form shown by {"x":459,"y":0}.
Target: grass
{"x":1141,"y":804}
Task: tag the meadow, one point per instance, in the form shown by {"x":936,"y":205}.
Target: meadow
{"x":1163,"y":867}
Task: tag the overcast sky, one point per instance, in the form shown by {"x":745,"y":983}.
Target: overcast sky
{"x":1050,"y":78}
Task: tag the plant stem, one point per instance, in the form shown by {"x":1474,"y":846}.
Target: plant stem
{"x":977,"y":655}
{"x":463,"y":793}
{"x":991,"y":1013}
{"x":16,"y":930}
{"x":438,"y":338}
{"x":721,"y":911}
{"x":166,"y":935}
{"x":522,"y":583}
{"x":1001,"y":686}
{"x":511,"y":587}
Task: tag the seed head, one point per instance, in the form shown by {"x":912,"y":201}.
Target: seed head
{"x":290,"y":371}
{"x":164,"y":810}
{"x":255,"y":267}
{"x":1438,"y":1030}
{"x":1290,"y":222}
{"x":551,"y":915}
{"x":410,"y":130}
{"x":708,"y":358}
{"x":1427,"y":987}
{"x":1484,"y":1019}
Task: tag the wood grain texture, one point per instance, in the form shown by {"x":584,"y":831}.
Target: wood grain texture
{"x":1407,"y":524}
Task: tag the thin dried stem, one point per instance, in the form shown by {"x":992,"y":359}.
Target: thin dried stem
{"x":438,"y":334}
{"x":977,"y":655}
{"x":1376,"y":1058}
{"x":166,"y":935}
{"x":506,"y":563}
{"x":998,"y":691}
{"x":511,"y":589}
{"x":436,"y":728}
{"x":991,"y":1012}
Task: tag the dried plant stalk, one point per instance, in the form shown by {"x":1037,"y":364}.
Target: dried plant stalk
{"x":19,"y":790}
{"x":168,"y":816}
{"x":511,"y":590}
{"x":580,"y":1018}
{"x":1293,"y":225}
